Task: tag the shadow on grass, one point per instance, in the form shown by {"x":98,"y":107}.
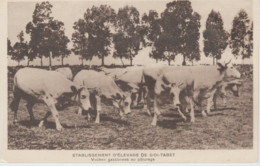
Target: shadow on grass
{"x":139,"y":106}
{"x":224,"y":109}
{"x":119,"y":121}
{"x":168,"y":124}
{"x":48,"y":125}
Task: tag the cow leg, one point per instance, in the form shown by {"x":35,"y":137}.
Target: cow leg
{"x":134,"y":102}
{"x":79,"y":111}
{"x":98,"y":108}
{"x":15,"y":103}
{"x":192,"y":115}
{"x":209,"y":104}
{"x":156,"y":111}
{"x":29,"y":108}
{"x":203,"y":112}
{"x":44,"y":120}
{"x":182,"y":115}
{"x":146,"y":107}
{"x":51,"y":104}
{"x":215,"y":101}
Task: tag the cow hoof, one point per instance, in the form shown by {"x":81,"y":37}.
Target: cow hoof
{"x":97,"y":121}
{"x":59,"y":128}
{"x":149,"y":113}
{"x":41,"y":124}
{"x":192,"y":120}
{"x":204,"y":114}
{"x":153,"y":124}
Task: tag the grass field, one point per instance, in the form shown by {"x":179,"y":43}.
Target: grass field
{"x":229,"y":127}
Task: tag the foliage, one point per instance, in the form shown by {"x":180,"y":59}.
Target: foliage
{"x":9,"y":47}
{"x":47,"y":34}
{"x":129,"y":33}
{"x":98,"y":22}
{"x":241,"y":41}
{"x":20,"y":49}
{"x":215,"y":37}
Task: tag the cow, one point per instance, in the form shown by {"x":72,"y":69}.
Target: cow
{"x":197,"y":86}
{"x":132,"y":80}
{"x":105,"y":90}
{"x":150,"y":74}
{"x":49,"y":87}
{"x":206,"y":85}
{"x":65,"y":71}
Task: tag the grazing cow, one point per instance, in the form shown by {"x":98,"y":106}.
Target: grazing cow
{"x":150,"y":75}
{"x":50,"y":87}
{"x":197,"y":86}
{"x":104,"y":90}
{"x":206,"y":85}
{"x":66,"y":71}
{"x":132,"y":80}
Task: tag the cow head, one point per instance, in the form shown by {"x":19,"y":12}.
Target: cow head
{"x":81,"y":96}
{"x":122,"y":102}
{"x":229,"y":70}
{"x":174,"y":92}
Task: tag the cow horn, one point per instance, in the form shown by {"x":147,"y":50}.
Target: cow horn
{"x":228,"y":62}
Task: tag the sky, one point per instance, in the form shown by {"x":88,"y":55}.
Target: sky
{"x":20,"y":13}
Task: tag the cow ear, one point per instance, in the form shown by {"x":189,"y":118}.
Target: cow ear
{"x":220,"y":65}
{"x":80,"y":89}
{"x":74,"y":89}
{"x":165,"y":87}
{"x":180,"y":84}
{"x":228,"y":62}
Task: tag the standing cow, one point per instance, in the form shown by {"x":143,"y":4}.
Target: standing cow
{"x":132,"y":80}
{"x":49,"y":87}
{"x":104,"y":90}
{"x":199,"y":83}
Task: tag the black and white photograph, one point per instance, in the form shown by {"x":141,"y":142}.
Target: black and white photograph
{"x":142,"y":75}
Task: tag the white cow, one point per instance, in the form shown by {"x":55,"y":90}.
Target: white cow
{"x":50,"y":87}
{"x":132,"y":80}
{"x":104,"y":89}
{"x":198,"y":82}
{"x":66,"y":71}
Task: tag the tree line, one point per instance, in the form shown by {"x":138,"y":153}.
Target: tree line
{"x":175,"y":31}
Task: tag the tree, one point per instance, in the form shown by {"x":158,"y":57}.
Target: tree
{"x":190,"y":47}
{"x":250,"y":44}
{"x":80,"y":41}
{"x":63,"y":51}
{"x":9,"y":47}
{"x":183,"y":25}
{"x":241,"y":35}
{"x":47,"y":34}
{"x":130,"y":32}
{"x":168,"y":42}
{"x":40,"y":19}
{"x":154,"y":29}
{"x":20,"y":49}
{"x":98,"y":24}
{"x":215,"y":37}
